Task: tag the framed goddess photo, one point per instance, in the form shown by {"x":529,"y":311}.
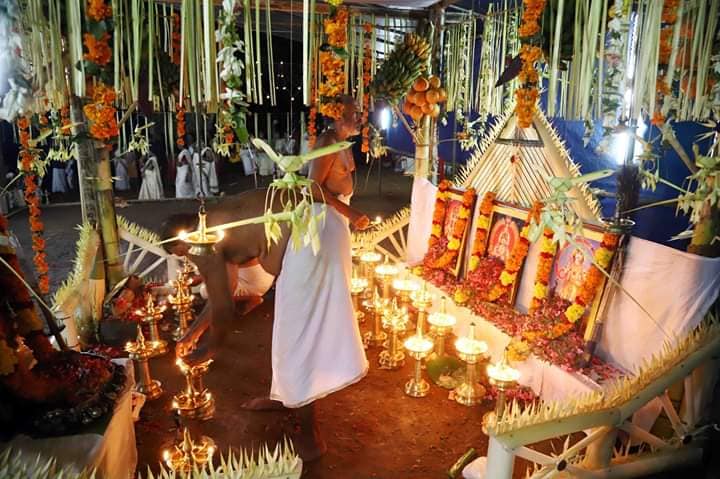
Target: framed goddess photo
{"x":506,"y":224}
{"x":571,"y":265}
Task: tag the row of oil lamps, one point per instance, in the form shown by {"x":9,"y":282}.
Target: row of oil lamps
{"x":194,"y":401}
{"x":380,"y":289}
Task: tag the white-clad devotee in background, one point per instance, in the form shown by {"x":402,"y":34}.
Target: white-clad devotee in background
{"x":204,"y":173}
{"x":151,"y":187}
{"x":59,"y":177}
{"x":122,"y":180}
{"x":183,"y":170}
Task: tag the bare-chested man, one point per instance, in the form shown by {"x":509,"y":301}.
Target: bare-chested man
{"x":316,"y":346}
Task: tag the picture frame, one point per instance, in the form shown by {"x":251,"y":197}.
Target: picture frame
{"x":506,"y":223}
{"x":454,"y":204}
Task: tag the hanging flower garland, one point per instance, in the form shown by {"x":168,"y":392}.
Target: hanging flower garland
{"x":526,"y":96}
{"x":548,"y":248}
{"x":332,"y":64}
{"x":312,"y":116}
{"x":367,"y":79}
{"x":439,"y":212}
{"x":517,"y":256}
{"x":176,"y":39}
{"x":32,"y":198}
{"x":481,"y":230}
{"x":101,"y":113}
{"x":458,"y":230}
{"x":180,"y":116}
{"x":668,"y":19}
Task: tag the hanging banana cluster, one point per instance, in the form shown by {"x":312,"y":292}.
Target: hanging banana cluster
{"x":401,"y":68}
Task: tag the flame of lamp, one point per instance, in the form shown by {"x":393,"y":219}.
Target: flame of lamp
{"x":384,"y":274}
{"x":404,"y":289}
{"x":441,"y":324}
{"x":503,"y":377}
{"x":140,"y":351}
{"x":470,"y":350}
{"x":195,"y":401}
{"x":189,"y":455}
{"x":418,"y":348}
{"x":368,"y":260}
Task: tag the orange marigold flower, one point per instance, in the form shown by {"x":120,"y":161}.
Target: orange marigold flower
{"x":99,"y":51}
{"x":98,"y":10}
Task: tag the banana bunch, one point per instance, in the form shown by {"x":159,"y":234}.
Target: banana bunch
{"x":402,"y":67}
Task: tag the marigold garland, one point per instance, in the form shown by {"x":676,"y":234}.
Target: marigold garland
{"x":33,"y":202}
{"x":176,"y":39}
{"x":98,"y":10}
{"x":526,"y":96}
{"x":101,"y":113}
{"x":669,"y":17}
{"x":99,"y":51}
{"x":439,"y":212}
{"x":367,"y":78}
{"x":481,"y":230}
{"x":332,"y":66}
{"x":514,"y":261}
{"x":458,"y":230}
{"x":548,"y":248}
{"x":180,"y":117}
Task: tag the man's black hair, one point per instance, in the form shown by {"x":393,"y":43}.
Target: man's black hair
{"x":176,"y":223}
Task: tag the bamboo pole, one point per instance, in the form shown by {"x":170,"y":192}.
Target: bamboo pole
{"x":86,"y":162}
{"x":108,"y":221}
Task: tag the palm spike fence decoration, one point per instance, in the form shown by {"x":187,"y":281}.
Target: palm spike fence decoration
{"x":603,"y":414}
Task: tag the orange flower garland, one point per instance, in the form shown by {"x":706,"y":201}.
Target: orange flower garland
{"x":367,"y":78}
{"x":439,"y":212}
{"x":180,"y":116}
{"x":101,"y":113}
{"x":669,"y":17}
{"x":176,"y":39}
{"x":544,"y":268}
{"x":331,"y":65}
{"x":98,"y":10}
{"x":481,"y":230}
{"x":517,"y":256}
{"x":527,"y":95}
{"x":33,"y":202}
{"x":456,"y":235}
{"x":99,"y":51}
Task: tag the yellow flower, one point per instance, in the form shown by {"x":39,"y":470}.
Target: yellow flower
{"x":464,"y":213}
{"x":525,"y":231}
{"x":539,"y":291}
{"x":442,"y":195}
{"x":574,"y":312}
{"x":474,"y":262}
{"x":548,"y":246}
{"x":454,"y":244}
{"x":335,"y":3}
{"x":460,"y":296}
{"x":436,"y":230}
{"x":8,"y":358}
{"x":507,"y":279}
{"x":603,"y":257}
{"x":483,"y":222}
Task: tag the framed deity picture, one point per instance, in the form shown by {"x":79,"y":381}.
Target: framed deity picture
{"x":506,"y":223}
{"x":572,"y":261}
{"x":453,"y":220}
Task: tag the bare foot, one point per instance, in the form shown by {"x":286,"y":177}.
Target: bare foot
{"x":263,"y":404}
{"x":309,"y":446}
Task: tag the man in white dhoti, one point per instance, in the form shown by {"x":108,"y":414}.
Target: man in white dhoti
{"x":151,"y":187}
{"x":183,"y":173}
{"x":204,"y":173}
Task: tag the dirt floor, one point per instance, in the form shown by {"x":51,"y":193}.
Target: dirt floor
{"x":372,"y":429}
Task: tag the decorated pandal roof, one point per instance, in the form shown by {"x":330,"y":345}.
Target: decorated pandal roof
{"x":515,"y":163}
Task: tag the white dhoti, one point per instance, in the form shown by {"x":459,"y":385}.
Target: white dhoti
{"x":316,"y":345}
{"x":249,"y":281}
{"x":183,"y":182}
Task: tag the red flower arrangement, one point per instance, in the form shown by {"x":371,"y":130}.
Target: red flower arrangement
{"x":367,"y":78}
{"x":530,"y":52}
{"x":180,"y":117}
{"x":101,"y":113}
{"x":33,"y":202}
{"x":548,"y":249}
{"x":517,"y":256}
{"x":481,"y":230}
{"x":458,"y":230}
{"x":478,"y":283}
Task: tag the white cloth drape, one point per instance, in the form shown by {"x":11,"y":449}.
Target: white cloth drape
{"x":151,"y":188}
{"x":316,"y":346}
{"x":421,"y":212}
